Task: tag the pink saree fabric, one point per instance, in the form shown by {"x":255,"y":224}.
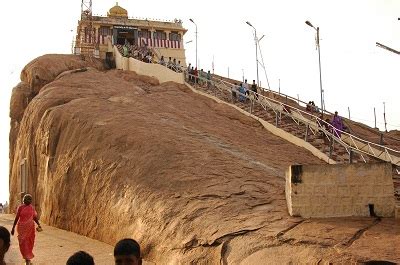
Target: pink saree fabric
{"x":26,"y":230}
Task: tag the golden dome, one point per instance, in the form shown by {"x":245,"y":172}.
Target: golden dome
{"x":117,"y":11}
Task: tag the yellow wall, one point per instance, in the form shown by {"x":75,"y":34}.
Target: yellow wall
{"x":340,"y":190}
{"x":162,"y":73}
{"x":121,"y":62}
{"x":178,"y":54}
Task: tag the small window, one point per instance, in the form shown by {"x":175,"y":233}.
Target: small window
{"x":144,"y":33}
{"x":105,"y":31}
{"x":175,"y":36}
{"x":159,"y":35}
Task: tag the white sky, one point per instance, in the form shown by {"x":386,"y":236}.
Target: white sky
{"x":355,"y":73}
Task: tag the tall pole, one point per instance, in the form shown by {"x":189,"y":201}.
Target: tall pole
{"x":256,"y":42}
{"x":320,"y":75}
{"x":72,"y":42}
{"x":196,"y":38}
{"x":279,"y":86}
{"x":384,"y":115}
{"x":319,"y":61}
{"x":213,"y":65}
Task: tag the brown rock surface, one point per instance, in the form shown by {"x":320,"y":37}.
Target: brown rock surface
{"x":113,"y":154}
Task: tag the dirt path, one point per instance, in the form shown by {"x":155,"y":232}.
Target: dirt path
{"x":54,"y":246}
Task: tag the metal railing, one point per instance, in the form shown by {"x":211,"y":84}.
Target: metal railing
{"x":313,"y":124}
{"x":299,"y":101}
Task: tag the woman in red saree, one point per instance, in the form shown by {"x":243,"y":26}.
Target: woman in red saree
{"x":25,"y":220}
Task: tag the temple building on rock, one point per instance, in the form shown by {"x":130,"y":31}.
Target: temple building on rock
{"x":96,"y":34}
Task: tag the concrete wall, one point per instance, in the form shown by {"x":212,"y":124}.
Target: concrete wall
{"x":121,"y":62}
{"x":162,"y":73}
{"x":178,"y":54}
{"x":340,"y":190}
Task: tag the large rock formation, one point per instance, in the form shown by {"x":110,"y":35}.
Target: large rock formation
{"x":112,"y":154}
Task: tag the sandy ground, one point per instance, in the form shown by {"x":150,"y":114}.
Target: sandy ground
{"x":54,"y":246}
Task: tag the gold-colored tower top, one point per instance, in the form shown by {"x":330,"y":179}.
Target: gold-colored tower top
{"x":117,"y":11}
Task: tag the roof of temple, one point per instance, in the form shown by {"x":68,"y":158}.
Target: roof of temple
{"x":117,"y":11}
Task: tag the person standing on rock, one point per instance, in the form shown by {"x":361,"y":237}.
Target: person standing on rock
{"x":254,"y":89}
{"x":337,"y":123}
{"x":25,"y":221}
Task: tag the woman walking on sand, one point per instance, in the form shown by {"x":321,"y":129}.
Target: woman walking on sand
{"x":25,"y":220}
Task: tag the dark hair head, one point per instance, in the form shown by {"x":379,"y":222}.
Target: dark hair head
{"x":27,"y":199}
{"x":127,"y":246}
{"x":5,"y":236}
{"x":80,"y":258}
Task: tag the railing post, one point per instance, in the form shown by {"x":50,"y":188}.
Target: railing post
{"x":306,"y":136}
{"x":381,"y":139}
{"x":331,"y":147}
{"x":351,"y":153}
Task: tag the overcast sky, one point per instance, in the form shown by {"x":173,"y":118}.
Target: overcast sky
{"x":355,"y":73}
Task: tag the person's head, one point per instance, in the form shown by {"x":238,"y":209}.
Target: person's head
{"x":336,"y":113}
{"x":254,"y":81}
{"x":80,"y":258}
{"x":4,"y":241}
{"x":245,"y":80}
{"x":127,"y":252}
{"x":27,"y":199}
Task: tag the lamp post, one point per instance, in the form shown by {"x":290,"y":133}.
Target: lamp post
{"x":256,"y":41}
{"x":191,"y":20}
{"x":319,"y":60}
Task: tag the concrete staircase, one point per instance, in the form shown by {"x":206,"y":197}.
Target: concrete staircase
{"x":334,"y":150}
